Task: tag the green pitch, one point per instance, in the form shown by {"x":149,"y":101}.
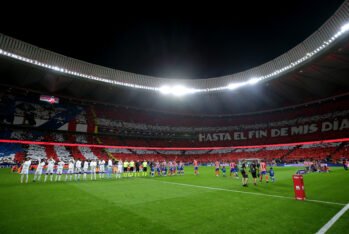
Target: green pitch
{"x":178,"y":204}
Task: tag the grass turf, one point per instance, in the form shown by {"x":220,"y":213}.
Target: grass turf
{"x":166,"y":205}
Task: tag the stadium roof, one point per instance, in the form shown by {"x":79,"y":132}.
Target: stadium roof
{"x":316,"y":68}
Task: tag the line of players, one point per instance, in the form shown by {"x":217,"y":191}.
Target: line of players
{"x":256,"y":170}
{"x":78,"y":168}
{"x":233,"y":169}
{"x":119,"y":168}
{"x":164,"y":168}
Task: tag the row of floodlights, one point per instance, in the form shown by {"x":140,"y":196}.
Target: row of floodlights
{"x":180,"y":90}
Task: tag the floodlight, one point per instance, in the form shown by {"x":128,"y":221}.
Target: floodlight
{"x":179,"y":90}
{"x":345,"y":27}
{"x":252,"y":81}
{"x":165,"y":90}
{"x":235,"y":85}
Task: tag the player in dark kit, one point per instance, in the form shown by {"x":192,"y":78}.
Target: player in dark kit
{"x":137,"y":168}
{"x":224,"y":170}
{"x":244,"y":175}
{"x":253,"y":170}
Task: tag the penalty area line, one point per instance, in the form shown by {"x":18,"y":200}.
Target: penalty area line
{"x":251,"y":193}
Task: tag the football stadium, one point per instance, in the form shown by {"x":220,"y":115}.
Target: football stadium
{"x":85,"y":148}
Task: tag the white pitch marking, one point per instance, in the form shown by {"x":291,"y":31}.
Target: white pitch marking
{"x":334,"y":219}
{"x":252,"y":193}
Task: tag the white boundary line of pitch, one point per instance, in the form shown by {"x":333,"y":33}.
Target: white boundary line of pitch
{"x":251,"y":193}
{"x":334,"y":219}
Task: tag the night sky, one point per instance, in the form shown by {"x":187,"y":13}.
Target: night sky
{"x":185,"y":43}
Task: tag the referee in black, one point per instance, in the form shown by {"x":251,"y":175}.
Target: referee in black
{"x":253,"y":170}
{"x":244,"y":175}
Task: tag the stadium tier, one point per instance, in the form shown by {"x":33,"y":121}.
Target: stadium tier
{"x":74,"y":122}
{"x":327,"y":151}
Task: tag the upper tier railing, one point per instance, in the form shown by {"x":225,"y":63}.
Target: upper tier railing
{"x":310,"y":48}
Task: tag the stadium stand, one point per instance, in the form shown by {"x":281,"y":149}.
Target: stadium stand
{"x":119,"y":126}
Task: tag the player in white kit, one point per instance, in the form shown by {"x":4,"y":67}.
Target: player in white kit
{"x":101,"y":168}
{"x":119,"y":172}
{"x":77,"y":169}
{"x":39,"y":169}
{"x":50,"y":167}
{"x":25,"y":170}
{"x":110,"y":168}
{"x":93,"y":166}
{"x":70,"y":170}
{"x":85,"y":169}
{"x":59,"y":170}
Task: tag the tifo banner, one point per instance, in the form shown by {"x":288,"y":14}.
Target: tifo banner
{"x":304,"y":129}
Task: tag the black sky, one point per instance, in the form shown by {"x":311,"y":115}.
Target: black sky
{"x":185,"y":43}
